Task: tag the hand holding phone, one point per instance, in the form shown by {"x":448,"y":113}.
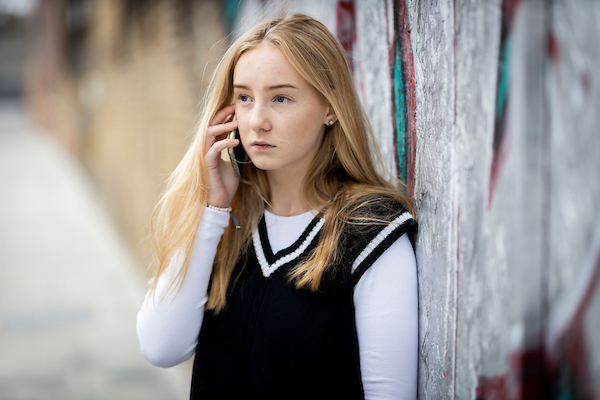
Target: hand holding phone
{"x":222,"y":179}
{"x":237,"y":155}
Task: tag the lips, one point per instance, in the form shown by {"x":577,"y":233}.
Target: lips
{"x":262,"y":146}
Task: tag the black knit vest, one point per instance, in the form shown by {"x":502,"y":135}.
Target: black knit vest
{"x":274,"y":341}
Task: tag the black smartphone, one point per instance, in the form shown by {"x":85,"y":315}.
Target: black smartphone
{"x":237,"y":155}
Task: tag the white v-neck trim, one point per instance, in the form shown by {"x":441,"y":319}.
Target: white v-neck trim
{"x":268,"y":269}
{"x":285,"y":231}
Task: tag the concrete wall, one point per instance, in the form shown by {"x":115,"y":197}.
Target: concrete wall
{"x":487,"y":110}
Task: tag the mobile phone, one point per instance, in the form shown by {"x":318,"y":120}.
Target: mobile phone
{"x":237,"y":155}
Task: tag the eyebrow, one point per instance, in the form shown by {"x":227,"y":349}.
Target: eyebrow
{"x":281,"y":86}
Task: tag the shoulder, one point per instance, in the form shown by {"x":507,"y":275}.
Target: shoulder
{"x":381,"y":217}
{"x":373,"y":228}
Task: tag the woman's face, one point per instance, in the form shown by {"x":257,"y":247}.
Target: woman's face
{"x":281,"y":117}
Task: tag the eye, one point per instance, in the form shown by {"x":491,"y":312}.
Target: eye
{"x":281,"y":99}
{"x":243,"y":97}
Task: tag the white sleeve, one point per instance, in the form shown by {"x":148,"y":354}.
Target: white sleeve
{"x":386,"y":306}
{"x":168,"y":323}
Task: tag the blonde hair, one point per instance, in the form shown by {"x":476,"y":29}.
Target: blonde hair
{"x":342,"y":182}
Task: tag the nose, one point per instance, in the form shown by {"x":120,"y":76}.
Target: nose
{"x":259,"y":118}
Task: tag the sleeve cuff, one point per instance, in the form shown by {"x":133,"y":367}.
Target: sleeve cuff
{"x":213,"y":223}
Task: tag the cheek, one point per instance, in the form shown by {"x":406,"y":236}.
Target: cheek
{"x":243,"y":125}
{"x":305,"y":118}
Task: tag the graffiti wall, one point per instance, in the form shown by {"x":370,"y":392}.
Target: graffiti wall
{"x":489,"y":112}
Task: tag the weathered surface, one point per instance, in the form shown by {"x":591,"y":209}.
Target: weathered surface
{"x":504,"y":167}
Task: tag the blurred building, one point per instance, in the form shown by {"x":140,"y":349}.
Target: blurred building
{"x":13,"y":45}
{"x":119,"y":83}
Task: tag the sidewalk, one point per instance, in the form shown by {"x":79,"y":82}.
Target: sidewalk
{"x":69,"y":287}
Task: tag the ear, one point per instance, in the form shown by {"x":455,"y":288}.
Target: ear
{"x":330,"y":116}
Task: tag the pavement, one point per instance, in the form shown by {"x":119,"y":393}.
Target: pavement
{"x":70,"y":287}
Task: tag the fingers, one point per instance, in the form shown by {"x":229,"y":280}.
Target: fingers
{"x":215,"y":151}
{"x":221,"y":129}
{"x":222,"y":114}
{"x":218,"y":130}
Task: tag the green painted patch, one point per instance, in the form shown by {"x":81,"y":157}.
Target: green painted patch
{"x":400,"y":117}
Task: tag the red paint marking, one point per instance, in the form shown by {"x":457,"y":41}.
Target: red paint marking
{"x":571,"y":346}
{"x":346,"y":26}
{"x":563,"y":367}
{"x":554,"y":51}
{"x":586,"y":81}
{"x":409,"y":94}
{"x":401,"y":32}
{"x":498,"y":158}
{"x":491,"y":388}
{"x":346,"y":33}
{"x":509,"y":9}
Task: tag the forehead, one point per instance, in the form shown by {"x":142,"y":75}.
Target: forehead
{"x":265,"y":64}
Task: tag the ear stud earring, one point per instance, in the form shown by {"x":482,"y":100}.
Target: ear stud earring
{"x":331,"y":122}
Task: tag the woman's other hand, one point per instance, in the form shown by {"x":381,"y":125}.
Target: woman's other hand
{"x":222,"y":179}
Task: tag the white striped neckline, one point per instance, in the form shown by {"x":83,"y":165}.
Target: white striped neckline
{"x":268,"y":269}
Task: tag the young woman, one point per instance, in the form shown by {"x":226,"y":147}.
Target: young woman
{"x":314,"y":293}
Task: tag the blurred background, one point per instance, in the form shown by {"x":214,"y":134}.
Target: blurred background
{"x":488,"y":111}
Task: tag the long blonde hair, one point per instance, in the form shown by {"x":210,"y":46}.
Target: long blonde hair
{"x":343,"y":179}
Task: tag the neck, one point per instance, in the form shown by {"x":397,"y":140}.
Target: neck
{"x":287,"y":197}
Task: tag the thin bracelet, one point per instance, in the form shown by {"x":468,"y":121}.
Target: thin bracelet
{"x":227,"y":210}
{"x":222,"y":209}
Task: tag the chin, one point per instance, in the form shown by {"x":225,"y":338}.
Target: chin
{"x":262,"y":165}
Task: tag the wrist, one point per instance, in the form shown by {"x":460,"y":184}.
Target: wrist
{"x":222,"y":209}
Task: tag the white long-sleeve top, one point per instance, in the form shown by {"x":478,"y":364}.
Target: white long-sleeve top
{"x":385,"y":302}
